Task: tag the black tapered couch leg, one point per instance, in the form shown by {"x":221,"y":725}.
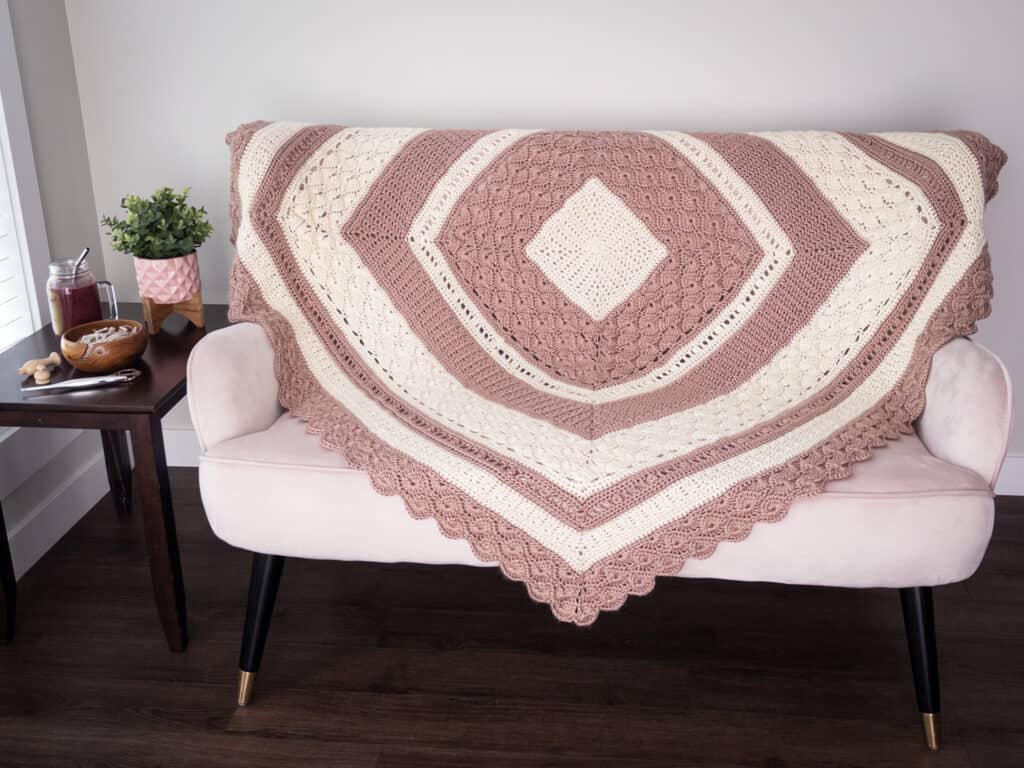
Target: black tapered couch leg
{"x":919,"y":619}
{"x":266,"y":576}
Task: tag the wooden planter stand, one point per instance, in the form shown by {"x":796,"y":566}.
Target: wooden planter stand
{"x":155,"y":313}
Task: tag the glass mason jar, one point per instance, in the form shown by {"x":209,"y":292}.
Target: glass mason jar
{"x":75,"y":296}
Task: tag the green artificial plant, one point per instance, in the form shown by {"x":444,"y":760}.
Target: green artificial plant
{"x":159,"y":227}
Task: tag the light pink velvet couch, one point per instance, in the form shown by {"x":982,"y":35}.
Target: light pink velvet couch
{"x":918,"y":515}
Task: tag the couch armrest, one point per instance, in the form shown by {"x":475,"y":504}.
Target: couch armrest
{"x":968,"y":408}
{"x":232,"y":391}
{"x":232,"y":388}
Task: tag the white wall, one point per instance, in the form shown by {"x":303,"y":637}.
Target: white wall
{"x":55,"y":120}
{"x":161,"y":83}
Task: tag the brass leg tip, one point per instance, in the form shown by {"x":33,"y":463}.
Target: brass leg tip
{"x":930,"y":722}
{"x":246,"y":680}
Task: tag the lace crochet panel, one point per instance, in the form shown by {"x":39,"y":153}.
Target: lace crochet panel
{"x":586,"y":518}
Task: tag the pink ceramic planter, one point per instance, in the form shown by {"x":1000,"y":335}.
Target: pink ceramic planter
{"x":168,"y":281}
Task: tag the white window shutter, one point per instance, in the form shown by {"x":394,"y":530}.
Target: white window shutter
{"x":15,"y":308}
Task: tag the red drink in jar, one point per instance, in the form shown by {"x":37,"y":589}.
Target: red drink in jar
{"x":75,"y":296}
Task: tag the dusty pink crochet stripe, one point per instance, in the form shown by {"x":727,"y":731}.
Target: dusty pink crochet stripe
{"x":645,"y":483}
{"x":412,"y":292}
{"x":809,"y":221}
{"x":263,"y":213}
{"x":710,"y":252}
{"x":648,"y":481}
{"x":651,"y":480}
{"x":989,"y":157}
{"x":400,"y":191}
{"x":395,"y":267}
{"x":580,"y":597}
{"x":928,"y":176}
{"x":237,"y":141}
{"x":264,"y":209}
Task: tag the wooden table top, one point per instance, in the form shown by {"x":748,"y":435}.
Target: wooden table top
{"x":160,"y":387}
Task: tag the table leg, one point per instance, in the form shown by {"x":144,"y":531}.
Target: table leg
{"x":119,"y":469}
{"x":158,"y":520}
{"x":8,"y":586}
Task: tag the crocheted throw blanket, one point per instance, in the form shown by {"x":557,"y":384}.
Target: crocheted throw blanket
{"x":596,"y":355}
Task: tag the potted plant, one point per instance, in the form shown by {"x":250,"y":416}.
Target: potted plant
{"x":162,"y":233}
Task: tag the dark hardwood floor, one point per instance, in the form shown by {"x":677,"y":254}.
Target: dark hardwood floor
{"x":403,"y":666}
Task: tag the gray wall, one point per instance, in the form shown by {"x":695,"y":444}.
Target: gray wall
{"x":49,"y":478}
{"x":55,"y":122}
{"x":161,"y":83}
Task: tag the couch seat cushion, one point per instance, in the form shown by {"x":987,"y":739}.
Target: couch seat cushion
{"x":904,"y":518}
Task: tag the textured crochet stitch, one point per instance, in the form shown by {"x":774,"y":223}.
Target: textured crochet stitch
{"x":597,"y":355}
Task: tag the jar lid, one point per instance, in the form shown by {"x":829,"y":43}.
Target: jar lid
{"x":66,"y":267}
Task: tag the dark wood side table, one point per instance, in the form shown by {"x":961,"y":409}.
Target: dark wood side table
{"x":134,"y":409}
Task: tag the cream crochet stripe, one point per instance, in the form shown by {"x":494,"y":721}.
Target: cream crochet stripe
{"x":597,"y":355}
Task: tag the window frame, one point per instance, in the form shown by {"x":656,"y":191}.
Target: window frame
{"x":19,"y":163}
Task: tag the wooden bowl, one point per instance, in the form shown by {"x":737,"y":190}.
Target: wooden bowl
{"x":106,"y":355}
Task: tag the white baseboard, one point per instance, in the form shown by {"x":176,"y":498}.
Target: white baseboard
{"x":1011,"y":478}
{"x":24,"y":451}
{"x":39,"y":517}
{"x":42,"y":526}
{"x":35,"y":526}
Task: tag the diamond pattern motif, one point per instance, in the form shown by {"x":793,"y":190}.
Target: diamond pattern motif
{"x":595,"y":249}
{"x":710,"y":253}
